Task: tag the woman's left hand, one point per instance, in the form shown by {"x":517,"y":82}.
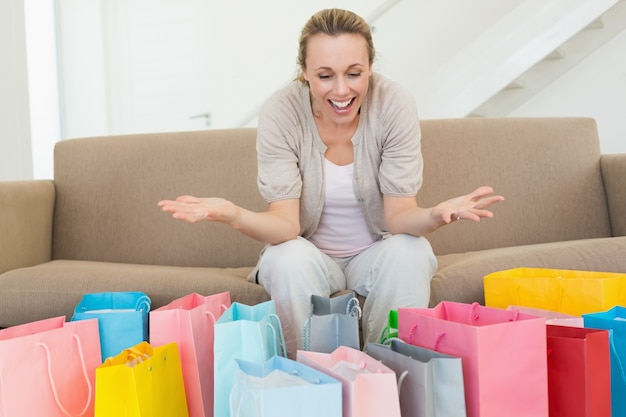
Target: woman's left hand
{"x":472,"y":206}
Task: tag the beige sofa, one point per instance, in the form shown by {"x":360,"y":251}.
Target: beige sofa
{"x":96,"y":226}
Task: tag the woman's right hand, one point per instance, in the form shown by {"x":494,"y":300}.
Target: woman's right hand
{"x":193,"y":209}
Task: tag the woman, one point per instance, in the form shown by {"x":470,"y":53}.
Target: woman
{"x":340,"y":164}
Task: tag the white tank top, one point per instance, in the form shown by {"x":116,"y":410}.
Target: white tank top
{"x":342,"y":230}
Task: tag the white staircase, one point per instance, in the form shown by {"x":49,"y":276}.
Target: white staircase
{"x":518,"y":56}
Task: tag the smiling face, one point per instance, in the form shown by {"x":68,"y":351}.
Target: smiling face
{"x":338,"y":70}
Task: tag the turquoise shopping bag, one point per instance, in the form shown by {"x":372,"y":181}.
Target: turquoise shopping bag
{"x":282,"y":387}
{"x":252,"y":333}
{"x":122,"y":319}
{"x":614,"y":320}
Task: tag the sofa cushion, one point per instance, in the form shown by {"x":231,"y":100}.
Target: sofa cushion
{"x":54,"y":288}
{"x":613,"y":174}
{"x":460,"y":276}
{"x":548,"y":169}
{"x":108,"y":189}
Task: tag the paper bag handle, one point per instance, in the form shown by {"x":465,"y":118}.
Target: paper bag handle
{"x":279,"y":336}
{"x":51,"y":378}
{"x":224,"y":307}
{"x":353,"y":308}
{"x":473,"y":315}
{"x":143,"y":301}
{"x":413,"y":331}
{"x":306,"y":334}
{"x":615,"y":354}
{"x":237,"y":412}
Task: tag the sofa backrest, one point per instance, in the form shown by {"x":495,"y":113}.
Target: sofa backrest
{"x":107,"y":189}
{"x":548,"y":169}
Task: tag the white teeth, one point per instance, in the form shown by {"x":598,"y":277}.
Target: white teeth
{"x":341,"y":104}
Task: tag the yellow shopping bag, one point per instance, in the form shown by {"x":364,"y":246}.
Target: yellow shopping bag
{"x":564,"y":291}
{"x":141,"y":382}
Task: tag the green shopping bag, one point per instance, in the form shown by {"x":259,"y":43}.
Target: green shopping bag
{"x":390,"y":331}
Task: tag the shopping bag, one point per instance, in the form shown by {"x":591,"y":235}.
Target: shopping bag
{"x":614,"y":320}
{"x":252,"y":333}
{"x":332,"y":322}
{"x":564,"y":291}
{"x":47,"y":368}
{"x":122,"y":318}
{"x":552,"y":317}
{"x":141,"y":381}
{"x":189,"y":321}
{"x":281,"y":387}
{"x":390,"y":331}
{"x":579,"y":378}
{"x":503,"y":354}
{"x":369,"y":388}
{"x":430,"y":383}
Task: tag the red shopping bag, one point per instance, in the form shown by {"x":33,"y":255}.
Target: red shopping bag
{"x":503,"y":354}
{"x":189,"y":321}
{"x":579,"y":372}
{"x":47,"y":368}
{"x":369,"y":388}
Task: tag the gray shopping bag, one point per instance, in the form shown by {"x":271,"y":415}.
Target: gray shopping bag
{"x":430,"y":383}
{"x":332,"y":322}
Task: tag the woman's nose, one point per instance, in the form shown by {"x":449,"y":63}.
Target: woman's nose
{"x":341,"y":86}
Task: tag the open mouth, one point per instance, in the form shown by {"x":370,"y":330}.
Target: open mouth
{"x":342,"y":105}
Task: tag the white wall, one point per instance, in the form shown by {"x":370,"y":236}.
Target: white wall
{"x":594,"y":88}
{"x":253,"y":50}
{"x":176,"y":58}
{"x":82,"y":66}
{"x":15,"y":148}
{"x":43,"y":84}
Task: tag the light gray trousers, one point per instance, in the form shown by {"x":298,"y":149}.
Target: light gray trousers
{"x":394,"y":272}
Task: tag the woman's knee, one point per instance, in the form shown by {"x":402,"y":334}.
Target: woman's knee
{"x":411,"y":249}
{"x":289,"y":255}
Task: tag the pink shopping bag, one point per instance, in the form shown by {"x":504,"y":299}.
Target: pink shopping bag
{"x":189,"y":321}
{"x":552,"y":317}
{"x":47,"y":368}
{"x":369,"y":388}
{"x":503,"y":354}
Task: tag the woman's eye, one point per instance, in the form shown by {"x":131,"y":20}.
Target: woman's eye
{"x":324,"y":77}
{"x":354,"y":74}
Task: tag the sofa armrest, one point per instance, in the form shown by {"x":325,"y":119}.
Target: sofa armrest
{"x":26,"y":213}
{"x":614,"y":176}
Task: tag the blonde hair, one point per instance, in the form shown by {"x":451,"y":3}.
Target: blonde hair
{"x":333,"y":22}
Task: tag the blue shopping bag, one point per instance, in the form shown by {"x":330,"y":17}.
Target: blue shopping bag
{"x":282,"y":387}
{"x":614,"y":320}
{"x":122,"y":319}
{"x":252,"y":333}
